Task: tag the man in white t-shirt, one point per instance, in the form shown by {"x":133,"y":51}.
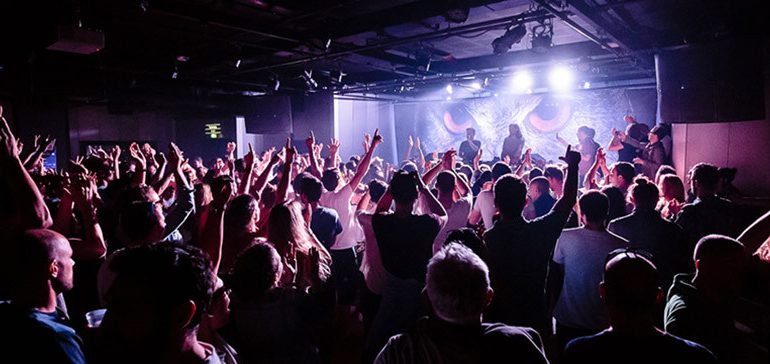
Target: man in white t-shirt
{"x":453,"y":194}
{"x":484,"y":208}
{"x":578,"y":266}
{"x":338,"y":197}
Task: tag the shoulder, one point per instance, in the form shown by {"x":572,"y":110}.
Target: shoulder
{"x":687,"y":349}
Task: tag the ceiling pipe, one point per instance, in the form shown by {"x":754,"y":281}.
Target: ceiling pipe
{"x":578,"y":28}
{"x":516,"y":19}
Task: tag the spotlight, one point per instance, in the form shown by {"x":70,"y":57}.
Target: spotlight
{"x":449,"y":98}
{"x":449,"y":89}
{"x":512,"y":36}
{"x":476,"y":85}
{"x":427,"y":65}
{"x":560,"y":78}
{"x":238,"y":63}
{"x":586,"y":85}
{"x":522,"y":81}
{"x":542,"y":37}
{"x":496,"y":94}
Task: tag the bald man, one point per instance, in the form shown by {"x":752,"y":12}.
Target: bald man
{"x":40,"y":266}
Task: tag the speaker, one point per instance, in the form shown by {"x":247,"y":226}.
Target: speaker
{"x":267,"y":115}
{"x":713,"y":83}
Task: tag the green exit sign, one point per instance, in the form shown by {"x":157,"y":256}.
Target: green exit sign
{"x":214,"y":130}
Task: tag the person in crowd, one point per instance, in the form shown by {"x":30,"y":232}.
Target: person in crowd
{"x":619,"y":143}
{"x":374,"y":273}
{"x":293,"y":239}
{"x":272,"y":323}
{"x":405,"y":242}
{"x":587,"y":148}
{"x":672,"y":196}
{"x":663,"y":171}
{"x":513,"y":144}
{"x":33,"y":324}
{"x":469,"y":238}
{"x":458,"y":290}
{"x":540,"y":199}
{"x":577,"y":271}
{"x":645,"y":229}
{"x":618,"y":204}
{"x":449,"y":185}
{"x":324,"y":222}
{"x":708,"y":214}
{"x":630,"y":292}
{"x":470,"y":147}
{"x":653,"y":154}
{"x":700,"y":305}
{"x":240,"y":227}
{"x":155,"y":305}
{"x":520,"y":250}
{"x":338,"y":196}
{"x":484,"y":208}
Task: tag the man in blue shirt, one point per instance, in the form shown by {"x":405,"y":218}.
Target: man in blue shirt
{"x":324,"y":222}
{"x":33,"y":326}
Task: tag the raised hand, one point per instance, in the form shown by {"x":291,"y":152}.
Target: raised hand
{"x":367,"y":141}
{"x":528,"y":157}
{"x":571,"y":157}
{"x":434,"y":156}
{"x":334,"y":146}
{"x":230,"y":149}
{"x":175,"y":156}
{"x":411,"y":142}
{"x":639,"y":161}
{"x":160,"y":158}
{"x":77,"y":165}
{"x":248,"y":159}
{"x":601,"y":156}
{"x":310,"y":142}
{"x":507,"y":159}
{"x":8,"y":143}
{"x":417,"y":143}
{"x":290,"y":151}
{"x":221,"y":192}
{"x":448,"y":159}
{"x":377,"y":138}
{"x":137,"y":156}
{"x":477,"y":158}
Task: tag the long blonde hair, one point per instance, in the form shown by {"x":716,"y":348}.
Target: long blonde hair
{"x":286,"y":228}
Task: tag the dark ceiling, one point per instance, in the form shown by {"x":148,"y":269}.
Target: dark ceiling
{"x":241,"y":47}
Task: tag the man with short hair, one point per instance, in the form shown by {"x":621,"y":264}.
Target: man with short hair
{"x":630,"y":292}
{"x":324,"y":222}
{"x":449,"y":184}
{"x":709,"y":213}
{"x":484,"y":208}
{"x":155,"y":306}
{"x":540,"y":199}
{"x":33,"y":326}
{"x":622,"y":175}
{"x":458,"y":290}
{"x":469,"y":148}
{"x":519,"y":251}
{"x":577,"y":263}
{"x":700,"y":306}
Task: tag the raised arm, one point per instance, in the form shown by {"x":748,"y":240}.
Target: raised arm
{"x":385,"y":201}
{"x":569,"y":197}
{"x":590,"y":178}
{"x":409,"y":146}
{"x":261,"y":181}
{"x":430,"y":200}
{"x":363,"y":202}
{"x":213,"y":231}
{"x":526,"y":163}
{"x":561,"y":140}
{"x":431,"y":174}
{"x":419,"y":152}
{"x":334,"y":147}
{"x":84,"y":193}
{"x":30,"y":209}
{"x":185,"y":194}
{"x":248,"y":165}
{"x":615,"y":144}
{"x":282,"y":190}
{"x":477,"y":159}
{"x":315,"y":168}
{"x":363,"y":167}
{"x":140,"y":164}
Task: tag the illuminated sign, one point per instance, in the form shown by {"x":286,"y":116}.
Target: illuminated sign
{"x":214,"y":130}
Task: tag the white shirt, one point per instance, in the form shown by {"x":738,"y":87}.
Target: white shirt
{"x":457,"y":217}
{"x":371,"y":264}
{"x":485,"y":203}
{"x":351,"y":231}
{"x":582,"y":253}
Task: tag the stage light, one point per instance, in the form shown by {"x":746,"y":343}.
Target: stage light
{"x":496,"y":94}
{"x":586,"y":85}
{"x":522,"y":81}
{"x":560,"y":78}
{"x":542,"y":37}
{"x":449,"y":98}
{"x":449,"y":89}
{"x":307,"y":76}
{"x":512,"y":36}
{"x":238,"y":63}
{"x":476,"y":85}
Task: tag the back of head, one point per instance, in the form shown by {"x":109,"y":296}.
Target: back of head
{"x":625,"y":170}
{"x":311,"y":188}
{"x":466,"y":170}
{"x":268,"y":196}
{"x":240,"y":212}
{"x":589,"y":132}
{"x":706,"y":174}
{"x":140,"y":222}
{"x":672,"y":187}
{"x":510,"y":195}
{"x":499,"y":169}
{"x":630,"y":283}
{"x":554,"y":172}
{"x":408,"y":166}
{"x":284,"y":225}
{"x":535,"y":172}
{"x":403,"y":187}
{"x":457,"y":284}
{"x":616,"y":200}
{"x":594,"y":205}
{"x":645,"y":194}
{"x":715,"y":248}
{"x":662,"y":171}
{"x":542,"y":185}
{"x":152,"y":290}
{"x":377,"y":188}
{"x":445,"y":182}
{"x":331,"y":179}
{"x":256,"y":270}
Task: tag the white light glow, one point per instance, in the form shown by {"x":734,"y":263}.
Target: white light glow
{"x":476,"y":85}
{"x":522,"y":81}
{"x":449,"y":89}
{"x":560,"y":78}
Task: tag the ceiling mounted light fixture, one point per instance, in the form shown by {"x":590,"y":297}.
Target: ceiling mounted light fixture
{"x":512,"y":36}
{"x":542,"y":36}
